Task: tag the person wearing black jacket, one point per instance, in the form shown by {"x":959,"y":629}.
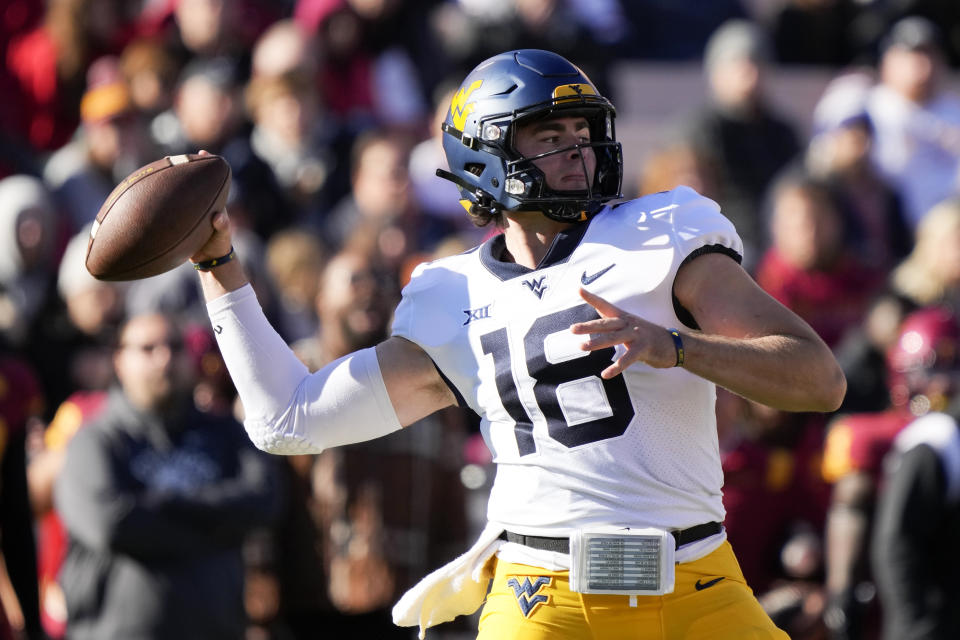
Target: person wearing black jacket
{"x":916,"y":561}
{"x":157,"y":499}
{"x":21,"y":401}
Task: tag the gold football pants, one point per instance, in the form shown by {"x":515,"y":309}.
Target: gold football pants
{"x":710,"y":601}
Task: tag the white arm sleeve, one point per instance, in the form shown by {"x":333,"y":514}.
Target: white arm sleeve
{"x":289,"y":410}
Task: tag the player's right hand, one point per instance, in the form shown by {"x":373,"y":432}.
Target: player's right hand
{"x":220,"y":242}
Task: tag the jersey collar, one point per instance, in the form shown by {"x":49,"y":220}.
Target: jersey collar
{"x":491,"y":253}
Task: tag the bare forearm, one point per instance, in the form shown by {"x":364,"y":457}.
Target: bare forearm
{"x":785,"y":372}
{"x":753,"y":345}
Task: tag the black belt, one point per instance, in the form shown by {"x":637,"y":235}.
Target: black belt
{"x":562,"y":545}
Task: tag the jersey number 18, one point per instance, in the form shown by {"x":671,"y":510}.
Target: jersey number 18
{"x":551,"y":378}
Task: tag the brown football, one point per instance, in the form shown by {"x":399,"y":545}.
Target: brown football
{"x":157,"y":217}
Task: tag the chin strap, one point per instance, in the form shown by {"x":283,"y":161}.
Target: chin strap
{"x":484,"y":199}
{"x":457,"y":180}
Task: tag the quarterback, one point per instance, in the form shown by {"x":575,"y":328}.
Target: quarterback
{"x":589,"y":337}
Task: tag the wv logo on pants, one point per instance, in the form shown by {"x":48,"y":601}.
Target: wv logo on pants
{"x":527,"y":593}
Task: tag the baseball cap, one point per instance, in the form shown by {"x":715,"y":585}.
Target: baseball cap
{"x":914,"y":33}
{"x":843,"y":103}
{"x":106,"y":96}
{"x":736,"y":39}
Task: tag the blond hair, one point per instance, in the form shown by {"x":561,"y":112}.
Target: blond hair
{"x":917,"y":276}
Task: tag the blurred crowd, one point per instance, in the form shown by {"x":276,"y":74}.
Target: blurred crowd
{"x":125,"y":480}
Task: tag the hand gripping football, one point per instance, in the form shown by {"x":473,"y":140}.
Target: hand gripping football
{"x":157,"y":217}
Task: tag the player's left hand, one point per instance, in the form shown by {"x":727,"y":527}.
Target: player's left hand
{"x":644,"y":341}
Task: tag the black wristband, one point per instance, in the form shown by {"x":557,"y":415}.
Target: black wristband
{"x":206,"y":265}
{"x":678,"y":344}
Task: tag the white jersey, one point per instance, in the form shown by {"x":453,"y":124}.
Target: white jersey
{"x":574,"y":450}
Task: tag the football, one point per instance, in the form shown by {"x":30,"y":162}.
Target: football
{"x":157,"y":217}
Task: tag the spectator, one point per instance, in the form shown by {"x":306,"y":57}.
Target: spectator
{"x":931,"y":273}
{"x":157,"y":499}
{"x":74,"y":341}
{"x":381,"y":202}
{"x":93,"y":306}
{"x":914,"y":555}
{"x":807,"y":268}
{"x":208,"y":114}
{"x":862,"y":354}
{"x":49,"y":63}
{"x":196,"y":30}
{"x":375,"y":55}
{"x":923,"y":368}
{"x":212,"y":393}
{"x":150,"y":72}
{"x":20,"y":403}
{"x":287,"y":49}
{"x":676,"y":161}
{"x":839,"y":153}
{"x":352,"y":306}
{"x":294,"y":138}
{"x":739,"y":131}
{"x":772,"y":486}
{"x":28,"y":233}
{"x":916,"y":118}
{"x":111,"y":144}
{"x":284,"y":47}
{"x":206,"y":110}
{"x":209,"y":28}
{"x":294,"y":261}
{"x":46,"y":463}
{"x":388,"y":509}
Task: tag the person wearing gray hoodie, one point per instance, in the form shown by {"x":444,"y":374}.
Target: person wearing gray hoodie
{"x":158,"y":499}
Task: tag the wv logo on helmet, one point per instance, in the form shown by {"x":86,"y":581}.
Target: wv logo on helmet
{"x":458,"y":109}
{"x":528,"y":594}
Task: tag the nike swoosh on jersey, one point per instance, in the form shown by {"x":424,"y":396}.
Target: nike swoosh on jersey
{"x":585,"y":279}
{"x":700,"y":586}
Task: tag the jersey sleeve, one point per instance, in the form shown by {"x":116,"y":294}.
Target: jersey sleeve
{"x":700,"y":227}
{"x":403,"y":315}
{"x":430,"y":315}
{"x":430,"y":310}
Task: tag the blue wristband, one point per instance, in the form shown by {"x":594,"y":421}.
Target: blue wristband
{"x":678,"y":344}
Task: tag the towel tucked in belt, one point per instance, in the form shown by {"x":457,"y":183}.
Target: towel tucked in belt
{"x":455,"y":589}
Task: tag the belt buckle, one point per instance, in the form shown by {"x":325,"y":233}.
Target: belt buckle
{"x":622,"y":561}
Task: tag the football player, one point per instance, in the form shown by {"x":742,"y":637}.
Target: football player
{"x":589,"y":337}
